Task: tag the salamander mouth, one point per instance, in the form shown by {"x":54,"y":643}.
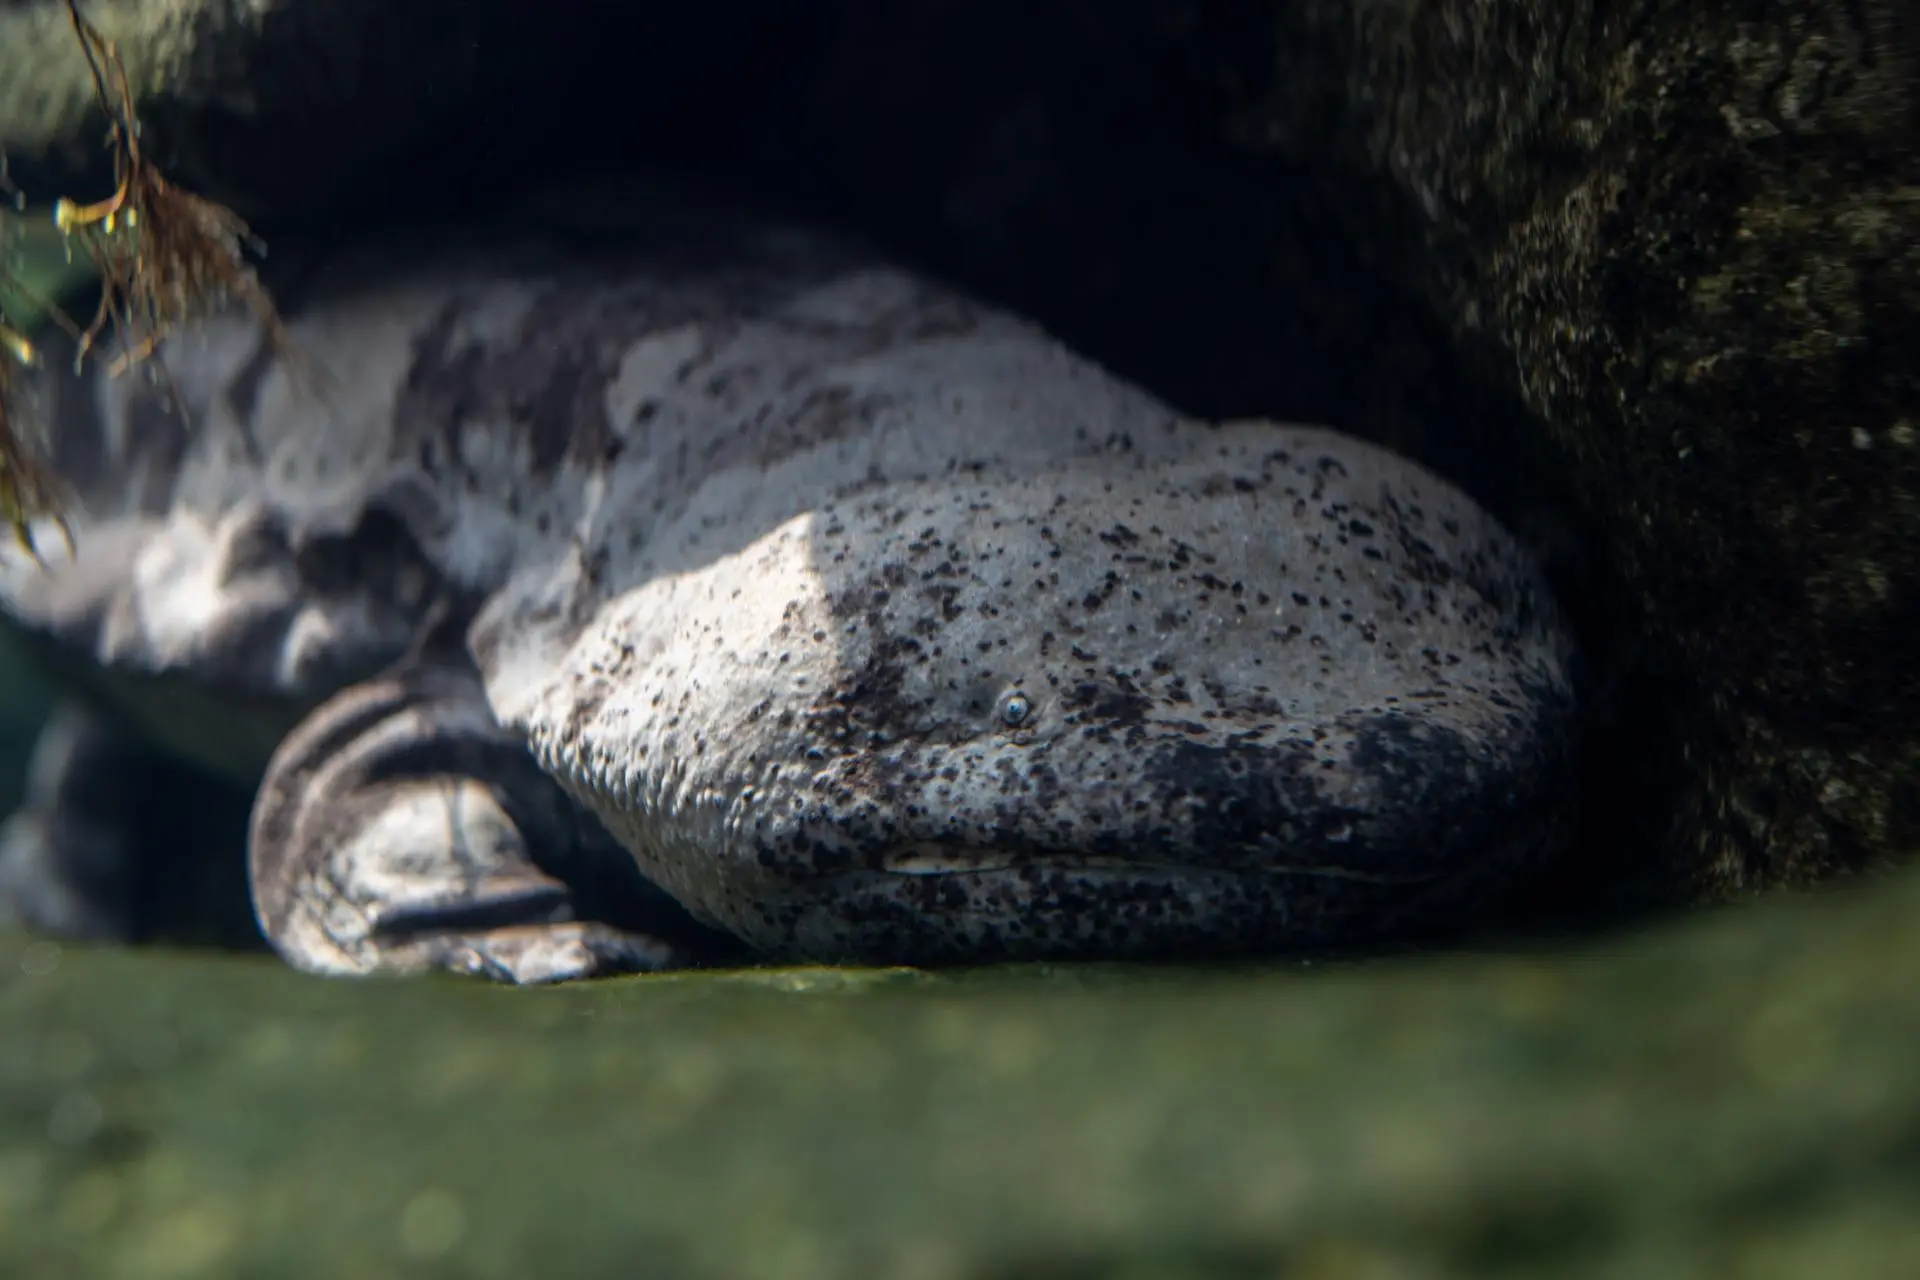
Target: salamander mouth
{"x":930,"y":859}
{"x":929,"y":901}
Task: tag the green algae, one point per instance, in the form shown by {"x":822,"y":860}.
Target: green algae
{"x":1731,"y":1095}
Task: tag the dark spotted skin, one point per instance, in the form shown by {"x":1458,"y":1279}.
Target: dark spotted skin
{"x":869,"y":621}
{"x":1290,"y":691}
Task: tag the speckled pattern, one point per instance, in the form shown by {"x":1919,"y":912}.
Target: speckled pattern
{"x":1283,"y":689}
{"x":872,"y":622}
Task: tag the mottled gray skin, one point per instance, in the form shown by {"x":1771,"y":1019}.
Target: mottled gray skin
{"x":870,"y":622}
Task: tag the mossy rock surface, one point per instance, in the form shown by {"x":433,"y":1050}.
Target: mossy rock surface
{"x":1732,"y":1095}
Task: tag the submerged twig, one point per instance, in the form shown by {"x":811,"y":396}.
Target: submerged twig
{"x":29,"y":488}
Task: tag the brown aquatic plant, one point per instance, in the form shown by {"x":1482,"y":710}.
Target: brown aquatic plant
{"x":165,"y":257}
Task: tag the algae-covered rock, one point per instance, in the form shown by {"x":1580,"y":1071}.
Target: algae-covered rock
{"x":1732,"y":1096}
{"x":1684,"y":239}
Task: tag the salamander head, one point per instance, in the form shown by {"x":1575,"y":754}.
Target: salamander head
{"x":1289,"y":693}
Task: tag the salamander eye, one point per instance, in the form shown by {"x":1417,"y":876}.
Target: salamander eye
{"x":1015,"y":709}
